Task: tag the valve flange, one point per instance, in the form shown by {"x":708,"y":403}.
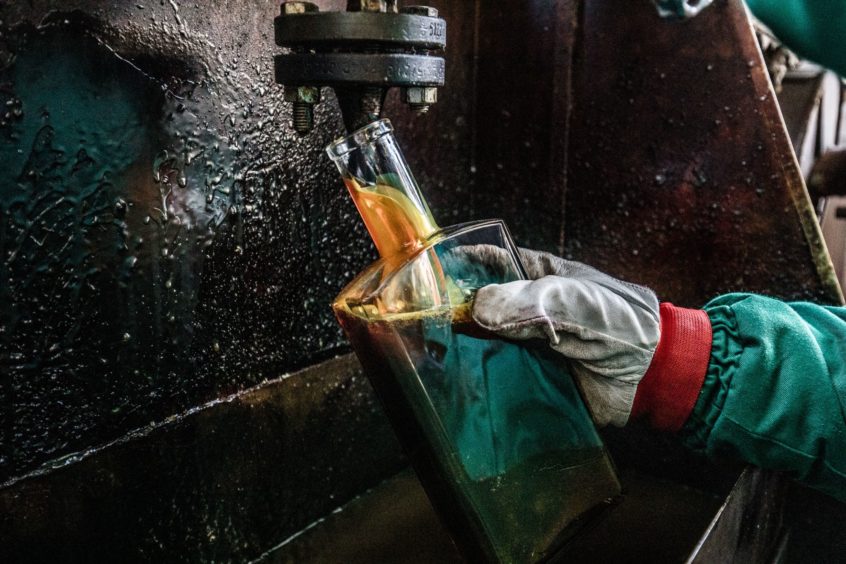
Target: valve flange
{"x":361,"y":53}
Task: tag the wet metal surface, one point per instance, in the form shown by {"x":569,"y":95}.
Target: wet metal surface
{"x":223,"y":483}
{"x":164,"y":239}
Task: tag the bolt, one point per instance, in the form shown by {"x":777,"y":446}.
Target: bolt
{"x":303,"y":117}
{"x":419,"y":98}
{"x":292,"y":8}
{"x":304,"y":99}
{"x":307,"y":94}
{"x":421,"y":11}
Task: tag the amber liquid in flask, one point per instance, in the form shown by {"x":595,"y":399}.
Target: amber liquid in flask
{"x":496,"y":430}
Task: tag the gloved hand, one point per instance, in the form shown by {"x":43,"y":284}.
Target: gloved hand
{"x":606,"y":328}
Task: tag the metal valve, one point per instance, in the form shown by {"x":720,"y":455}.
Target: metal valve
{"x":361,"y":53}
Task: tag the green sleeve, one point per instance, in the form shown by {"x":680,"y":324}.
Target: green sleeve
{"x":775,"y":390}
{"x":814,"y":29}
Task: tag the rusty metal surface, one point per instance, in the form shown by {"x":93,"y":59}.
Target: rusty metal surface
{"x":681,"y":174}
{"x":520,"y":147}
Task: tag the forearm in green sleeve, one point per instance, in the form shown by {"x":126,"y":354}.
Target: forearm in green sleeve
{"x":775,"y":389}
{"x":814,"y":29}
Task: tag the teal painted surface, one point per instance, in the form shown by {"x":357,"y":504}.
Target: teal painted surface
{"x":812,"y":28}
{"x":165,"y":238}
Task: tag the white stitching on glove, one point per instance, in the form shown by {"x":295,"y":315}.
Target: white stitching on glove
{"x":608,"y":329}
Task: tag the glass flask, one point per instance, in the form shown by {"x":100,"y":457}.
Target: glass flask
{"x":496,"y":430}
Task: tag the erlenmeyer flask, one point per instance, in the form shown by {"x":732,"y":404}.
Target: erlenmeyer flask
{"x":496,"y":430}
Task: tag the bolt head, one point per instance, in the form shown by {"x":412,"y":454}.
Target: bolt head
{"x":292,"y":8}
{"x":421,"y":95}
{"x":306,"y":94}
{"x":421,"y":11}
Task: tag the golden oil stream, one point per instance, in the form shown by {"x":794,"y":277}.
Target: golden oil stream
{"x":397,"y":225}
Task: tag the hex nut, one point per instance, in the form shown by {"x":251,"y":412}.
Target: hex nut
{"x":421,"y":11}
{"x":421,"y":95}
{"x":305,"y":94}
{"x":292,"y":8}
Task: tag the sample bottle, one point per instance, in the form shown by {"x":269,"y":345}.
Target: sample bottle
{"x":496,"y":430}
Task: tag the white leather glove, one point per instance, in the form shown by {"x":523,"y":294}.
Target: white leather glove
{"x":606,"y":328}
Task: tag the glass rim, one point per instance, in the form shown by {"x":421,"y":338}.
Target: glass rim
{"x":440,"y":236}
{"x":364,"y":136}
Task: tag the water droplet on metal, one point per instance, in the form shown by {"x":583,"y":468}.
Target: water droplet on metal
{"x":120,"y":208}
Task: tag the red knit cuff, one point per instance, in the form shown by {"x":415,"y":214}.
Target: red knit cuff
{"x":670,"y":388}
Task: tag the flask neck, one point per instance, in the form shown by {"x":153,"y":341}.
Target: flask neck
{"x":384,"y":190}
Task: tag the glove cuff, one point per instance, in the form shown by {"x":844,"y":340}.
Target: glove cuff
{"x":670,"y":388}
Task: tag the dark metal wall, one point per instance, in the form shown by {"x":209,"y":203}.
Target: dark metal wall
{"x":165,"y":238}
{"x":165,"y":241}
{"x":682,"y":175}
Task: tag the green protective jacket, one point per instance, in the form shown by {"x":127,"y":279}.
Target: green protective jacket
{"x":774,"y":393}
{"x":814,"y":29}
